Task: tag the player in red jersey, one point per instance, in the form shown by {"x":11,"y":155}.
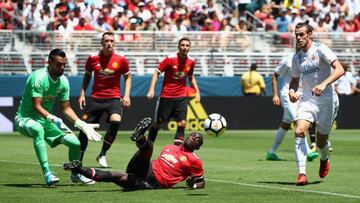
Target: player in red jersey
{"x":175,"y":164}
{"x":173,"y":99}
{"x":108,"y":66}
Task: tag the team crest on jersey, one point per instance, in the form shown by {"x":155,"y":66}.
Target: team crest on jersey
{"x":187,"y":68}
{"x":183,"y":158}
{"x":115,"y":65}
{"x":175,"y":67}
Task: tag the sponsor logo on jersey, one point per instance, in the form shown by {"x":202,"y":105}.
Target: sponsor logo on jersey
{"x":196,"y":116}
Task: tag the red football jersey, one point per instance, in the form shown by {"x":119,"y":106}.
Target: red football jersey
{"x":175,"y":164}
{"x":174,"y":84}
{"x":107,"y":74}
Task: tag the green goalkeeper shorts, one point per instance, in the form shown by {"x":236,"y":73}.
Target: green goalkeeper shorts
{"x":31,"y":128}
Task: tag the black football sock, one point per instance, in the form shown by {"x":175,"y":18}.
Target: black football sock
{"x":179,"y":135}
{"x":152,"y":134}
{"x":83,"y":144}
{"x":110,"y":137}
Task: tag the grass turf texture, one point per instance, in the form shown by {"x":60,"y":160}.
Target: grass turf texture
{"x":235,"y":171}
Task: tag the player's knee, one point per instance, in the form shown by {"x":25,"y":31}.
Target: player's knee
{"x":299,"y":132}
{"x":37,"y":132}
{"x":115,"y":118}
{"x":181,"y":123}
{"x":71,"y":141}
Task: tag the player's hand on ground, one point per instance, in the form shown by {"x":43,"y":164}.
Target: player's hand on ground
{"x":276,"y":100}
{"x":318,"y":89}
{"x":190,"y":181}
{"x":82,"y":102}
{"x":150,"y":94}
{"x":88,"y":130}
{"x":126,"y":101}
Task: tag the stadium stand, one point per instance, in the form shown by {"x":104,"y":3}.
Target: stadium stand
{"x":227,"y":35}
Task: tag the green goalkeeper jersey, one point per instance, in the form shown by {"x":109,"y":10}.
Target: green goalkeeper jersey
{"x":40,"y":84}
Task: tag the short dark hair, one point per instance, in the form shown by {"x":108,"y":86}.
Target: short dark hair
{"x":107,"y":33}
{"x":184,"y":39}
{"x":56,"y":52}
{"x":253,"y":66}
{"x":306,"y":24}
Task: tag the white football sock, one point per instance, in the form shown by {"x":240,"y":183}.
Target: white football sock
{"x":324,"y":153}
{"x":300,"y":154}
{"x":278,"y":139}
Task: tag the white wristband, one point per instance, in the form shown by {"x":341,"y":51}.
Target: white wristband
{"x":291,"y":91}
{"x":194,"y":186}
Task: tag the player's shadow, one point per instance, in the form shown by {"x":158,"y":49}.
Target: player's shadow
{"x":274,"y":160}
{"x":287,"y":183}
{"x":34,"y":185}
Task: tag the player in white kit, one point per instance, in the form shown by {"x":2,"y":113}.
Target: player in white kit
{"x":283,"y":69}
{"x":318,"y":68}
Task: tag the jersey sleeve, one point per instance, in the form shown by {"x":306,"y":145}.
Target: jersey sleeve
{"x":326,"y":54}
{"x":261,"y":81}
{"x":196,"y":168}
{"x":125,"y":66}
{"x":163,"y":65}
{"x":295,"y":69}
{"x":64,"y":95}
{"x":37,"y":90}
{"x":282,"y":67}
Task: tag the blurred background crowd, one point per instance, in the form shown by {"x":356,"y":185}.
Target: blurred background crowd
{"x":179,"y":15}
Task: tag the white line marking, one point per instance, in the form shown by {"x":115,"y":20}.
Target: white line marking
{"x":229,"y":182}
{"x":286,"y":189}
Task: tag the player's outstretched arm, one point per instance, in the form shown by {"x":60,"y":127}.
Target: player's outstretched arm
{"x":81,"y":125}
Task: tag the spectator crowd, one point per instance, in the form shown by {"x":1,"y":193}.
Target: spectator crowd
{"x":178,"y":15}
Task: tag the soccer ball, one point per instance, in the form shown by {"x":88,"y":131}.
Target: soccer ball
{"x":215,"y":125}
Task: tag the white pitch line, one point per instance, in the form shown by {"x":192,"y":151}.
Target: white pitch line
{"x":229,"y":182}
{"x":286,"y":189}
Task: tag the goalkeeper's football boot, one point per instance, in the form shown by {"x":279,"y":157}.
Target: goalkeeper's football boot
{"x":102,"y":161}
{"x":77,"y":178}
{"x":50,"y":179}
{"x":272,"y":157}
{"x":324,"y":168}
{"x":72,"y":165}
{"x":301,"y":180}
{"x":140,"y":129}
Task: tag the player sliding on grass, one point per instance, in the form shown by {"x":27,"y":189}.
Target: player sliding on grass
{"x":175,"y":164}
{"x":34,"y":118}
{"x":318,"y":68}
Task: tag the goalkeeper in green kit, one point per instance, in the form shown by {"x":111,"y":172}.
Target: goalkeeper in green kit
{"x":35,"y":120}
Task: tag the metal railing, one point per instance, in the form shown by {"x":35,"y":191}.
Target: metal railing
{"x":217,"y":53}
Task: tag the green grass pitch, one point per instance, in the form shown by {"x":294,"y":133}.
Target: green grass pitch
{"x":235,"y":171}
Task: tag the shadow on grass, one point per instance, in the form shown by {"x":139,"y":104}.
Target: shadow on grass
{"x":35,"y":185}
{"x":288,"y":183}
{"x":274,"y":160}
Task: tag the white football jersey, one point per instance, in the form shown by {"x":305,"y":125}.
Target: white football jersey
{"x":314,"y":67}
{"x":284,"y":70}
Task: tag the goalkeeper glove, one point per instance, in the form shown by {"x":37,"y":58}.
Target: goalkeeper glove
{"x":59,"y":123}
{"x":88,"y":130}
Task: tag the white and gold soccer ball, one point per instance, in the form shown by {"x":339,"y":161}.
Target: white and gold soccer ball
{"x":215,"y":125}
